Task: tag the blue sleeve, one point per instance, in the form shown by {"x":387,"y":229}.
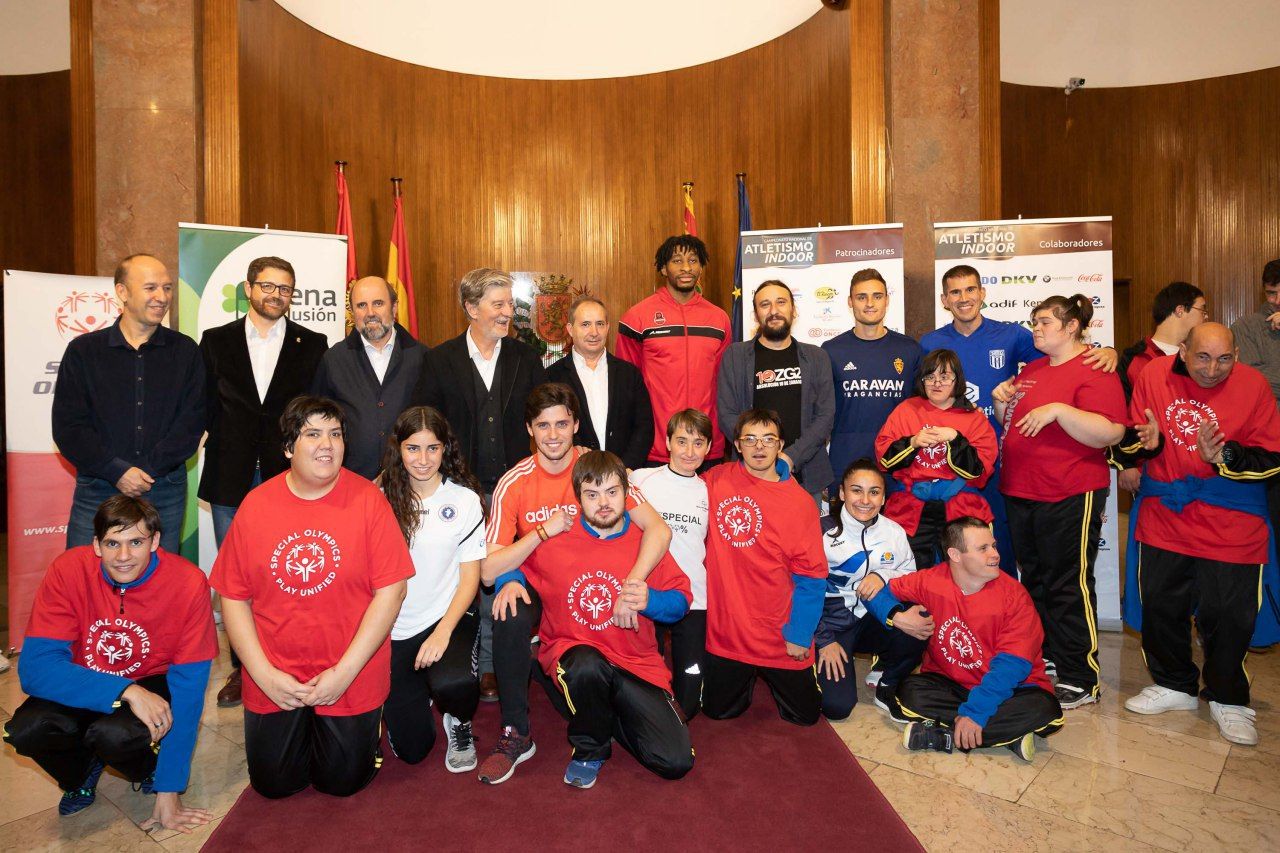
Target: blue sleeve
{"x":807,"y":597}
{"x":46,"y":671}
{"x":187,"y":682}
{"x":666,"y":605}
{"x":516,"y":575}
{"x":882,"y":602}
{"x":1005,"y":673}
{"x":1024,"y":348}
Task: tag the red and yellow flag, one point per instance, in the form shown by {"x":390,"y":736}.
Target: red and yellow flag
{"x":690,"y":221}
{"x":344,"y":226}
{"x":399,"y":276}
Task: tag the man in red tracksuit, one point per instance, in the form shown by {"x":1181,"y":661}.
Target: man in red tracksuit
{"x":676,"y":338}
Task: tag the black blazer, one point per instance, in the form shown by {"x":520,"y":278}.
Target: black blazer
{"x":345,"y":375}
{"x":244,"y":433}
{"x":447,"y":384}
{"x":629,"y":426}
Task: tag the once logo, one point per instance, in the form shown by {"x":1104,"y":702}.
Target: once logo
{"x":116,"y":645}
{"x":305,"y":563}
{"x":738,"y":519}
{"x":958,"y":644}
{"x":82,"y":312}
{"x":591,"y":598}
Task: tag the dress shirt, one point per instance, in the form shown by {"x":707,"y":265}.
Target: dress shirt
{"x":264,"y":353}
{"x":595,"y":382}
{"x":380,"y":359}
{"x":487,"y":367}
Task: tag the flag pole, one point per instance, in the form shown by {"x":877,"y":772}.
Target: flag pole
{"x":396,"y":188}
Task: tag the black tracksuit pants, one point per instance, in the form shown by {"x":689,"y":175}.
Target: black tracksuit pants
{"x":897,"y":654}
{"x":727,"y":687}
{"x":64,"y":741}
{"x":289,"y":750}
{"x":1224,"y":598}
{"x":926,"y":542}
{"x":512,"y":661}
{"x":452,"y":683}
{"x":605,"y":702}
{"x":931,"y":696}
{"x":688,"y":639}
{"x":1056,"y":545}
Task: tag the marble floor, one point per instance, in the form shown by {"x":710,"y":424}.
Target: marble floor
{"x":1110,"y":780}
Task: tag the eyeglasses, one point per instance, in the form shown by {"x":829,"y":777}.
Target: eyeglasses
{"x":1203,"y":310}
{"x":269,"y":287}
{"x":752,"y":441}
{"x":940,"y":378}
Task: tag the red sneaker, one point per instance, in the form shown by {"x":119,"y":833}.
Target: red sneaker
{"x":512,"y":749}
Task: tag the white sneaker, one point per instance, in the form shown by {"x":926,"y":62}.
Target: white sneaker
{"x":873,"y":678}
{"x":1235,"y":722}
{"x":1156,"y":700}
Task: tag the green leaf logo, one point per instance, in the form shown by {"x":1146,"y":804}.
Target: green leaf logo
{"x":234,"y":301}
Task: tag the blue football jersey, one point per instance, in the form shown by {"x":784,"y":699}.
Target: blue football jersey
{"x":989,"y":356}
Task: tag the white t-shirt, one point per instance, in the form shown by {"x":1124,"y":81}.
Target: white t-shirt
{"x":682,"y":503}
{"x":451,"y":532}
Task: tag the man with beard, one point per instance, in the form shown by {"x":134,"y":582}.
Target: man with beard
{"x":677,"y":338}
{"x":371,"y":373}
{"x":779,"y":373}
{"x":253,"y":367}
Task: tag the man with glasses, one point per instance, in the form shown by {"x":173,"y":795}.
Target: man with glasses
{"x":1177,"y":309}
{"x":254,"y":367}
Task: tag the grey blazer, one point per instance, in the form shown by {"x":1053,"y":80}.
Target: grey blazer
{"x":808,"y":452}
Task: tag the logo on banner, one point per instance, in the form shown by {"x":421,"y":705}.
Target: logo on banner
{"x":591,"y":597}
{"x":995,"y":358}
{"x":958,"y":644}
{"x":825,"y":294}
{"x":1184,"y":418}
{"x":1089,"y":278}
{"x":739,"y":519}
{"x":82,"y":312}
{"x":971,"y":392}
{"x":306,"y":563}
{"x":116,"y":645}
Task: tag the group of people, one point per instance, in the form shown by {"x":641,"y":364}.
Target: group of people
{"x":697,"y":514}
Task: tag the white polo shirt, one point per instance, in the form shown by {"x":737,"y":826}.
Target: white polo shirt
{"x":682,"y":503}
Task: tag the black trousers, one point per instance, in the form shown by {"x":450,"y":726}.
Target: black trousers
{"x":608,"y":703}
{"x":727,"y":686}
{"x":452,"y":683}
{"x":930,"y":696}
{"x":512,"y":661}
{"x":897,"y":654}
{"x":1224,"y":598}
{"x":1056,"y":545}
{"x":688,"y":639}
{"x":64,"y":740}
{"x":926,"y":542}
{"x":289,"y":750}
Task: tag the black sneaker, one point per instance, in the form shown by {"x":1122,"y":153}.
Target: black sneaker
{"x":887,"y":700}
{"x":926,"y":735}
{"x":1070,"y":696}
{"x":79,"y":799}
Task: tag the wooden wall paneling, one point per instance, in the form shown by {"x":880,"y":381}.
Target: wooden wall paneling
{"x":868,"y":138}
{"x":36,"y":206}
{"x":220,"y":83}
{"x":989,"y":105}
{"x":84,"y":185}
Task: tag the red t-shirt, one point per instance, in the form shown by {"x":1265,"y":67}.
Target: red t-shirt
{"x":579,"y":576}
{"x":933,"y":463}
{"x":759,"y":535}
{"x":167,"y":619}
{"x":1052,"y":466}
{"x":1245,"y":412}
{"x":310,"y":568}
{"x":970,"y":630}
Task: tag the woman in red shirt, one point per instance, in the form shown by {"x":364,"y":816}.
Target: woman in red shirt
{"x":1059,"y":415}
{"x":942,"y":449}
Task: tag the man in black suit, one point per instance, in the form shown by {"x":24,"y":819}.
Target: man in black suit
{"x":616,"y":413}
{"x":253,"y":368}
{"x":479,"y":381}
{"x":371,"y":374}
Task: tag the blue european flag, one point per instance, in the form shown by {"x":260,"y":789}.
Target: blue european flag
{"x":744,"y":224}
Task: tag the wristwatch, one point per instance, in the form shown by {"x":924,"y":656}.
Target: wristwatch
{"x":1228,"y":455}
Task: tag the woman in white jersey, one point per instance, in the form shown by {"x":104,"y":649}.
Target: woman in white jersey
{"x":678,"y":494}
{"x":433,"y":643}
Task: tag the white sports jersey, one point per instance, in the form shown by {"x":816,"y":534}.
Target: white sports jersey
{"x":682,"y":503}
{"x":880,"y":547}
{"x":451,"y":532}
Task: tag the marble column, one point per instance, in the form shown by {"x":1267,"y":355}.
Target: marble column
{"x":146,"y":123}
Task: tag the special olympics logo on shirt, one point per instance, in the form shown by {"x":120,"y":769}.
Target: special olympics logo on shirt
{"x":958,"y":645}
{"x":738,"y":518}
{"x":591,"y":597}
{"x":305,"y":563}
{"x":117,"y":646}
{"x":934,"y":456}
{"x":1184,"y":418}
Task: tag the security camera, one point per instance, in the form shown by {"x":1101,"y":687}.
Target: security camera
{"x":1073,"y":83}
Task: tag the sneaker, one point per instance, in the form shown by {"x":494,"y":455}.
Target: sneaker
{"x":1235,"y":722}
{"x":229,"y":695}
{"x":1050,"y":668}
{"x":1024,"y":747}
{"x":460,"y":756}
{"x":79,"y":799}
{"x":512,"y":749}
{"x":1156,"y":700}
{"x":582,"y":774}
{"x":873,"y":678}
{"x":926,"y":734}
{"x":1070,"y":696}
{"x":146,"y":786}
{"x":887,"y":700}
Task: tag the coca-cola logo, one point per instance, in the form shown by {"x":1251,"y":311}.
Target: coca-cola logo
{"x":1089,"y":278}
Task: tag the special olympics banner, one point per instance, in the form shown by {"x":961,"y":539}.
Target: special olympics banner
{"x":817,"y":264}
{"x":1022,"y":262}
{"x":212,"y":262}
{"x":42,"y":312}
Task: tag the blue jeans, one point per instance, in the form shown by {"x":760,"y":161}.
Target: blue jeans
{"x":222,"y":514}
{"x":168,"y":495}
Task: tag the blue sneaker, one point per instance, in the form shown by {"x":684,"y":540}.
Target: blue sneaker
{"x":146,"y":786}
{"x":582,"y":774}
{"x":79,"y":799}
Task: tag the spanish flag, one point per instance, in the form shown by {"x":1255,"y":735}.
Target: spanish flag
{"x":690,"y":221}
{"x":344,"y":226}
{"x":399,"y":276}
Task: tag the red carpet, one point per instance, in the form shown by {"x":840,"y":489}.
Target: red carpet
{"x":758,"y":784}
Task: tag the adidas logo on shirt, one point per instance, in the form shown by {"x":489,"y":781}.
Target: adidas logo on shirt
{"x":850,"y":366}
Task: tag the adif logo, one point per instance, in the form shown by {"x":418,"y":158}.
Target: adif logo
{"x":116,"y":645}
{"x":958,"y":644}
{"x":82,"y":312}
{"x":306,"y":563}
{"x":995,"y":358}
{"x":738,"y":519}
{"x":1183,"y":417}
{"x":591,"y":598}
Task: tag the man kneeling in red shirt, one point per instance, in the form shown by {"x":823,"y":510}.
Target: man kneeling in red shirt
{"x":614,"y":683}
{"x":982,"y":682}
